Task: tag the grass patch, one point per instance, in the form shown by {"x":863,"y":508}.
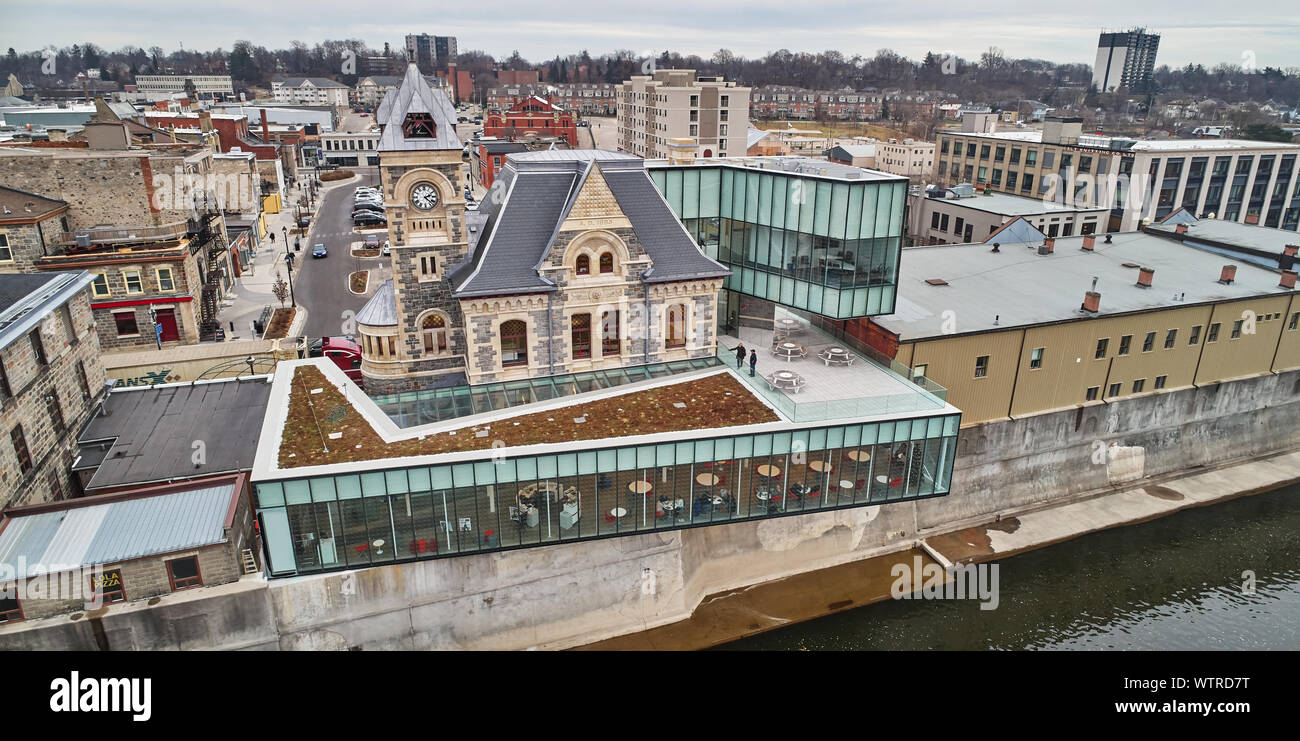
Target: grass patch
{"x":357,"y":281}
{"x":716,"y":401}
{"x":279,"y":325}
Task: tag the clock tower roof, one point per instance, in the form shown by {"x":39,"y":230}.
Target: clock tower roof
{"x":417,"y":117}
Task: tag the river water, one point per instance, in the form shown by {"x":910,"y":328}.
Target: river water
{"x":1172,"y":583}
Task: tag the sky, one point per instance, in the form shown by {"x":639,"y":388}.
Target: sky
{"x":1261,"y":32}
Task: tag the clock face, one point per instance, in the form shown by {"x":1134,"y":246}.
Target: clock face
{"x":424,"y":196}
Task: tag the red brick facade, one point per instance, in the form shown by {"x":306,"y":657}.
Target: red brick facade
{"x":532,"y":116}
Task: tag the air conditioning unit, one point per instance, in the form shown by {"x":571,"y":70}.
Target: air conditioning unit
{"x":83,"y":240}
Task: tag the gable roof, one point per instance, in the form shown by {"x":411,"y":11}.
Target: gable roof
{"x":537,"y":191}
{"x":415,"y":96}
{"x":321,"y":82}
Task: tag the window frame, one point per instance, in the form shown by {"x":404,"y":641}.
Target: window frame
{"x":1036,"y":358}
{"x":982,"y":368}
{"x":1103,"y":347}
{"x":1125,"y":345}
{"x":171,"y":278}
{"x":94,"y":286}
{"x":6,"y":248}
{"x":126,"y":281}
{"x":197,"y":579}
{"x":120,"y":591}
{"x":118,"y":327}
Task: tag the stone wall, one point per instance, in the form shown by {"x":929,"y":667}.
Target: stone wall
{"x":51,"y":450}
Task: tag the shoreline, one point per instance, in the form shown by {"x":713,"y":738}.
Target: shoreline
{"x":747,"y":611}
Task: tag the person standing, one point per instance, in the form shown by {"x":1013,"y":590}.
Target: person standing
{"x":740,"y":356}
{"x":753,"y":361}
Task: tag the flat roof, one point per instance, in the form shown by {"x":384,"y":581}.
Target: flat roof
{"x":790,"y":164}
{"x":1018,"y":287}
{"x":82,"y":533}
{"x":1006,"y":204}
{"x":1096,"y":141}
{"x":151,"y":432}
{"x":1250,"y":236}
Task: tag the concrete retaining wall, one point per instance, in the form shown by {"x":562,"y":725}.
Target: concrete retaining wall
{"x":567,"y":595}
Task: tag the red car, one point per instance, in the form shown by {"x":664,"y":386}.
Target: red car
{"x":345,"y":353}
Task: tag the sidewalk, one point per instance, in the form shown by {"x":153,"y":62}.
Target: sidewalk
{"x":252,"y":290}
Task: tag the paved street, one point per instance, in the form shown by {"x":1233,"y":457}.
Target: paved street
{"x":605,"y":131}
{"x":322,"y":286}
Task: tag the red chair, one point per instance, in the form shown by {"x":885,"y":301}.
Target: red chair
{"x":896,"y":482}
{"x":362,"y":548}
{"x":609,"y":517}
{"x":860,"y":483}
{"x":722,"y":480}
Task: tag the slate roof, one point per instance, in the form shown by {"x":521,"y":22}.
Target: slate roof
{"x":415,"y":96}
{"x":381,"y":309}
{"x":531,"y":199}
{"x":150,"y":432}
{"x":81,"y":536}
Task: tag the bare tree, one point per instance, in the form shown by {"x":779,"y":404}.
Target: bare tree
{"x":279,"y":288}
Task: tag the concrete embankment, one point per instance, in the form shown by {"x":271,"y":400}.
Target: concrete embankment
{"x":739,"y":613}
{"x":1017,"y":484}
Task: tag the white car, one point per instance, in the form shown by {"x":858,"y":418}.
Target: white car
{"x":471,"y":206}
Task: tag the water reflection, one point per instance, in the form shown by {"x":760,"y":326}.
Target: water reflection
{"x":1174,"y":583}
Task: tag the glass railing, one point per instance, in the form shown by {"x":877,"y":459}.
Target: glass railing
{"x":414,"y":408}
{"x":927,"y":396}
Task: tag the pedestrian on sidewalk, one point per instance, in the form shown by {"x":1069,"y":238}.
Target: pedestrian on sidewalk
{"x":272,"y":235}
{"x":753,"y":361}
{"x":740,"y":356}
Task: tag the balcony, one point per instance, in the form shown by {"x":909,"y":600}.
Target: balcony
{"x":110,"y":235}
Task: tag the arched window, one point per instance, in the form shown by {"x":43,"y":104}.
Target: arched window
{"x":675,"y":332}
{"x":584,"y":265}
{"x":580,"y":335}
{"x":606,"y":262}
{"x":433,"y":329}
{"x":514,"y":343}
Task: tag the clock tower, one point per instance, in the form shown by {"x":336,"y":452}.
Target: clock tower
{"x":412,"y":335}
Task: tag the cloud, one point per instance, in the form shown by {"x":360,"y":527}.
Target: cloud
{"x":1062,"y":33}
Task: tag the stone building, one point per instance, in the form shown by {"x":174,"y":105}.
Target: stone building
{"x":146,"y":221}
{"x":50,"y":380}
{"x":572,"y":257}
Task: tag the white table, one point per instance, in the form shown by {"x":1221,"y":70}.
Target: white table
{"x":789,"y":351}
{"x":618,"y":512}
{"x":836,"y":355}
{"x":787,"y":380}
{"x":846,"y":484}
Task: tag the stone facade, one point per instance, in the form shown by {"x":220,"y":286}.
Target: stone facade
{"x":70,"y":350}
{"x":27,"y":243}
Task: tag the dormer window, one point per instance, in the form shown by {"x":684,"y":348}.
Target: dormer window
{"x":419,"y":126}
{"x":584,"y":265}
{"x":606,"y":262}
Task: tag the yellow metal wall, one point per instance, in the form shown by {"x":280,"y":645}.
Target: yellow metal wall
{"x":1070,"y":366}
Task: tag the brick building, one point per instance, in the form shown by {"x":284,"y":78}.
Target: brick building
{"x":532,"y":117}
{"x":50,"y":379}
{"x":489,"y":157}
{"x":147,"y":223}
{"x":584,"y":98}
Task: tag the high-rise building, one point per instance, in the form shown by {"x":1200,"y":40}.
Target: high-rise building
{"x":1125,"y":59}
{"x":430,"y":53}
{"x":675,"y":104}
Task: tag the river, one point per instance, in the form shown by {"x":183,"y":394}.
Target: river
{"x":1175,"y":583}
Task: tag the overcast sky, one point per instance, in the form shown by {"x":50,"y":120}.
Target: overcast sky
{"x":1053,"y":30}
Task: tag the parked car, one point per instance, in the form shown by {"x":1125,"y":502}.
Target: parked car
{"x":304,"y":222}
{"x":366,"y":189}
{"x":368,"y":200}
{"x":318,"y":251}
{"x":372,"y":242}
{"x":471,"y":206}
{"x":369,"y":219}
{"x":345,"y":353}
{"x":368,"y":211}
{"x":386,"y":251}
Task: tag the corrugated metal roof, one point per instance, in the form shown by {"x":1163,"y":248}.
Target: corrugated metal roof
{"x":116,"y":531}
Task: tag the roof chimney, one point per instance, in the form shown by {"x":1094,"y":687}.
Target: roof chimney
{"x":1144,"y":277}
{"x":1288,"y":279}
{"x":1228,"y":274}
{"x":1092,"y":299}
{"x":266,"y":129}
{"x":1287,"y":259}
{"x":1050,"y":244}
{"x":1180,"y":229}
{"x":1089,"y":241}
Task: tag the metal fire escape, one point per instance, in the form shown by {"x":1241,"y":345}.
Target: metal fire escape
{"x":206,"y":237}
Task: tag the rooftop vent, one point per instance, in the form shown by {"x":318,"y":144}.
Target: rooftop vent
{"x":1130,"y":265}
{"x":1288,"y":279}
{"x":1107,"y":240}
{"x":936,"y":281}
{"x":995,"y":247}
{"x":1047,"y":247}
{"x":1145,"y":276}
{"x":1228,"y":274}
{"x":1089,"y":243}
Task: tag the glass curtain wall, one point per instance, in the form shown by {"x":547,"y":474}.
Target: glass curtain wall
{"x":360,"y":519}
{"x":823,"y":245}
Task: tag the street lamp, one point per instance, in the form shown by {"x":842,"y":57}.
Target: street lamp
{"x":285,"y":231}
{"x":293,"y":301}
